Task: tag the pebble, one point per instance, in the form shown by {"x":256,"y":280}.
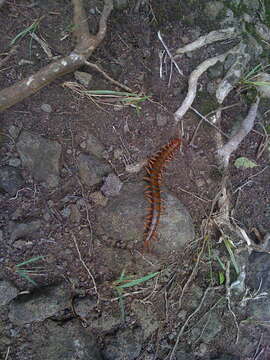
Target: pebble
{"x":46,"y":108}
{"x":14,"y":162}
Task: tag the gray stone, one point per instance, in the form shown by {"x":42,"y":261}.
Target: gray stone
{"x":91,"y":169}
{"x":263,"y":31}
{"x":126,"y":344}
{"x":15,"y":162}
{"x":264,"y":90}
{"x":10,"y":179}
{"x":106,"y":322}
{"x":41,"y":157}
{"x":7,"y":292}
{"x":215,"y":71}
{"x":68,"y":342}
{"x":46,"y":108}
{"x":161,"y":120}
{"x":84,"y":78}
{"x":127,"y":211}
{"x":112,"y":185}
{"x":98,"y":198}
{"x":24,"y":230}
{"x":213,"y":8}
{"x":120,"y":4}
{"x":146,"y":318}
{"x":207,"y":331}
{"x":14,"y":131}
{"x":39,"y":305}
{"x":93,"y":145}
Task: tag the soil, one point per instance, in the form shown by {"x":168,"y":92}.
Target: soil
{"x":129,"y":53}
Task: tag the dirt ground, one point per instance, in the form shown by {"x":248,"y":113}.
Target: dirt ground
{"x":130,"y":53}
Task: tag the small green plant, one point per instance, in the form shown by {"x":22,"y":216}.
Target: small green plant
{"x":26,"y":273}
{"x":251,"y":79}
{"x":110,"y":97}
{"x":28,"y":31}
{"x":126,"y":281}
{"x":230,"y":246}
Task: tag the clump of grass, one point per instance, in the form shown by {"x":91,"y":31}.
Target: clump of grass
{"x":126,"y":281}
{"x":26,"y":273}
{"x":109,"y":97}
{"x":28,"y":31}
{"x":251,"y":79}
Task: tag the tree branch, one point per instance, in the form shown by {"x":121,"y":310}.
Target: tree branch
{"x":86,"y":44}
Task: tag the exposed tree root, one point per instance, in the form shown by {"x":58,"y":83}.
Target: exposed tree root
{"x":225,"y":152}
{"x":213,"y":36}
{"x":86,"y":44}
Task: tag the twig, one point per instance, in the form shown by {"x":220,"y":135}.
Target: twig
{"x":192,"y":275}
{"x":228,"y":297}
{"x":7,"y":353}
{"x":248,"y":179}
{"x":115,"y":82}
{"x":8,"y":55}
{"x":226,"y":150}
{"x":169,"y":53}
{"x":43,"y":44}
{"x":187,"y":321}
{"x":85,"y":266}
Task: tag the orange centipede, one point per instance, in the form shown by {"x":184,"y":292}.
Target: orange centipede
{"x":155,"y":168}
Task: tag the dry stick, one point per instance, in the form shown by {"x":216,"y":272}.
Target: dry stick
{"x":228,"y":297}
{"x":213,"y":36}
{"x":115,"y":82}
{"x":192,"y":84}
{"x":86,"y":44}
{"x":226,"y":150}
{"x":85,"y":266}
{"x":8,"y":55}
{"x":187,"y":321}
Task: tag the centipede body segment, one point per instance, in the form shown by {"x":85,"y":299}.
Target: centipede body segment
{"x":154,"y":169}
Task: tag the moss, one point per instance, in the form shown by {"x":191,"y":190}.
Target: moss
{"x":206,"y":103}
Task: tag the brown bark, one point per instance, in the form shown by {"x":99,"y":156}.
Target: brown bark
{"x":86,"y":44}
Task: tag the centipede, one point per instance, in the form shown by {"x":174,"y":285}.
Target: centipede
{"x":155,"y":169}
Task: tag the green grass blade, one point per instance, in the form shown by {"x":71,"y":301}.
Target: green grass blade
{"x":30,"y":260}
{"x":121,"y":304}
{"x":138,"y":281}
{"x":221,"y":263}
{"x":229,"y":245}
{"x":23,"y":33}
{"x":26,"y":277}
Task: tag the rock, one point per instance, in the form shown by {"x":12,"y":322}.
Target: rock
{"x":118,"y":154}
{"x":263,"y":31}
{"x":15,"y":162}
{"x":181,"y":355}
{"x":68,"y":342}
{"x":83,"y":78}
{"x":107,"y":321}
{"x":126,"y":344}
{"x":14,"y":131}
{"x":226,"y":357}
{"x":213,"y":8}
{"x":98,"y":198}
{"x":91,"y":169}
{"x":161,"y":120}
{"x":7,"y":292}
{"x":24,"y":230}
{"x":258,"y":272}
{"x":46,"y":108}
{"x":93,"y":145}
{"x":215,"y":71}
{"x":112,"y":185}
{"x":40,"y":156}
{"x":127,"y":211}
{"x":207,"y":331}
{"x":146,"y":318}
{"x":84,"y":306}
{"x":120,"y":4}
{"x":39,"y":305}
{"x":10,"y":179}
{"x":264,"y":90}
